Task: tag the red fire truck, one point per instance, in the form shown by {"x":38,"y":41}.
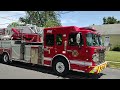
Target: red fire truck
{"x":62,"y":48}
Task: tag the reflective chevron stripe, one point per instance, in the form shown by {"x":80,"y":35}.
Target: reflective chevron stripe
{"x":99,"y":68}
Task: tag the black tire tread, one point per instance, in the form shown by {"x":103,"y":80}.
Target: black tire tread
{"x":63,"y":60}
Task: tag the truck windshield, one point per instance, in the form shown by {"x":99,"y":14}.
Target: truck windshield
{"x":100,"y":40}
{"x":93,"y":40}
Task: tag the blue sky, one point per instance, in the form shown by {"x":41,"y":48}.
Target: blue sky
{"x":86,"y":18}
{"x":77,"y":18}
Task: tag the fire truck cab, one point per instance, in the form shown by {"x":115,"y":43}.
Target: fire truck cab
{"x":62,"y":48}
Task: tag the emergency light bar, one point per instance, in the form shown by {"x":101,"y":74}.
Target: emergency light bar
{"x":88,"y":28}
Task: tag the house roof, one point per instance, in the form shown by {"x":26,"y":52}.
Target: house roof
{"x":107,"y":29}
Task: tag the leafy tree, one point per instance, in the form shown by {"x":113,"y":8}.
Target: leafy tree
{"x":41,"y":18}
{"x":110,"y":20}
{"x":15,"y":24}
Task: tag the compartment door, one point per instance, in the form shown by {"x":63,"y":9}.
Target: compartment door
{"x":34,"y":55}
{"x":27,"y":54}
{"x":16,"y":52}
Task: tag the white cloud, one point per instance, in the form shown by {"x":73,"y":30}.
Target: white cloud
{"x":72,"y":21}
{"x":68,"y":21}
{"x":10,"y":13}
{"x":18,"y":12}
{"x":63,"y":21}
{"x":4,"y":26}
{"x":7,"y":17}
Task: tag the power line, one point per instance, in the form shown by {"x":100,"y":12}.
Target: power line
{"x":10,"y":16}
{"x":22,"y":14}
{"x":14,"y":15}
{"x":5,"y":23}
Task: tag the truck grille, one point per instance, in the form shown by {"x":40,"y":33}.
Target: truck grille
{"x":101,"y":56}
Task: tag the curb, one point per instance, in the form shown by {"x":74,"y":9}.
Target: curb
{"x":114,"y":68}
{"x":113,"y":62}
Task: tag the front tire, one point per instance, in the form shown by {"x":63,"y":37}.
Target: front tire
{"x":60,"y":66}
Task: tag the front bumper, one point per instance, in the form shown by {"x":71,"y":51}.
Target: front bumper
{"x":99,"y":68}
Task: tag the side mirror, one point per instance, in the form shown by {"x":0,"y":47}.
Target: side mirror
{"x":78,"y":38}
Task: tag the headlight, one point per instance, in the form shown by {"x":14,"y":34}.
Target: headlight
{"x":95,"y":57}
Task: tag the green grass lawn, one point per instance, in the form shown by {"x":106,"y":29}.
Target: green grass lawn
{"x":113,"y":56}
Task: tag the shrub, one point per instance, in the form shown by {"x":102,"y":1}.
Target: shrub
{"x":116,"y":48}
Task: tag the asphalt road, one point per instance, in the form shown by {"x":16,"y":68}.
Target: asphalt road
{"x":25,"y":71}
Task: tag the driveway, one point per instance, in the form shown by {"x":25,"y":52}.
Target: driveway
{"x":19,"y":70}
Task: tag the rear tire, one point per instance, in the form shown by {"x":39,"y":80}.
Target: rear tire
{"x":0,"y":58}
{"x":5,"y":59}
{"x":60,"y":66}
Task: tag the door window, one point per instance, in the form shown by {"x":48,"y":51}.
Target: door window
{"x":50,"y":40}
{"x":59,"y":39}
{"x":72,"y":39}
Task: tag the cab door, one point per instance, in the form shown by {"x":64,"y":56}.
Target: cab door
{"x":59,"y":44}
{"x":49,"y":45}
{"x":75,"y":51}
